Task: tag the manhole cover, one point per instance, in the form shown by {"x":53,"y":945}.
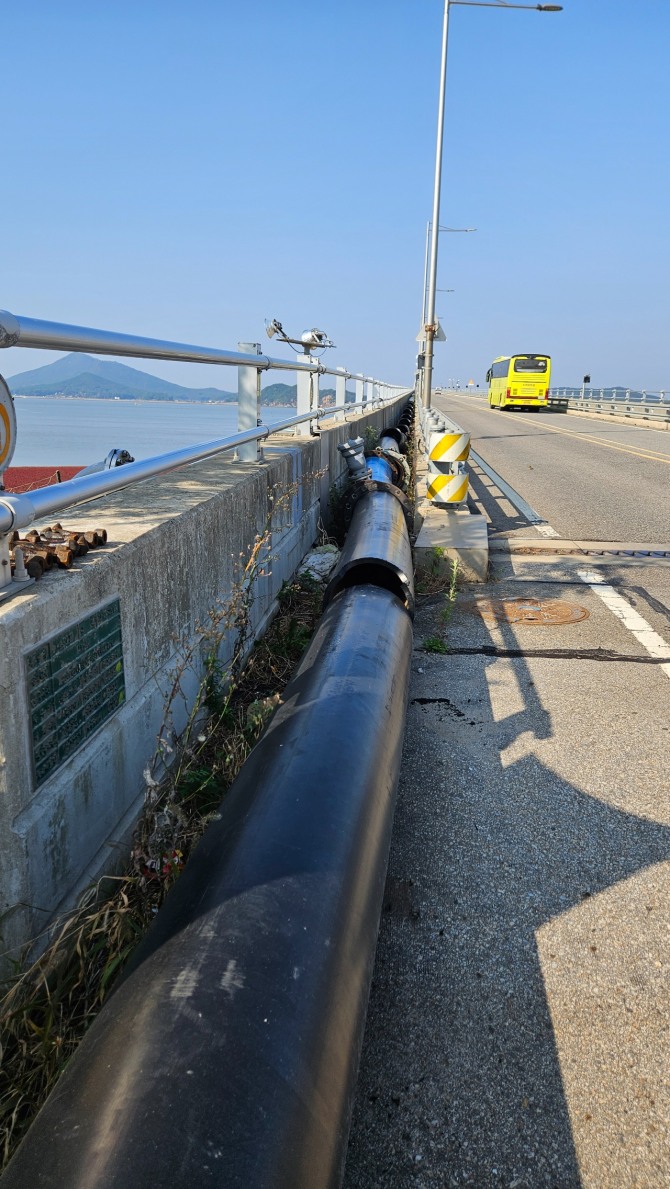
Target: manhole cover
{"x":541,"y":612}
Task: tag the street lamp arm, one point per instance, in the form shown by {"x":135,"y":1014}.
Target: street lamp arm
{"x":493,"y":4}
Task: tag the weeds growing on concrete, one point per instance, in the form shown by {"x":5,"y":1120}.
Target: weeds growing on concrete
{"x":450,"y":596}
{"x":50,"y":1003}
{"x":439,"y":643}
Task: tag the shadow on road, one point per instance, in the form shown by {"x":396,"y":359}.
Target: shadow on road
{"x":460,"y":1081}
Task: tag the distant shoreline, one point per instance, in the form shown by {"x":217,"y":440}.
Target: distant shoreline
{"x":137,"y":400}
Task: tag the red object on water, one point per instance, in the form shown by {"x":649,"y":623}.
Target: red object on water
{"x":20,"y":479}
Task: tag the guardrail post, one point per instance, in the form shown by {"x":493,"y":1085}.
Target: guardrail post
{"x":249,"y":403}
{"x":360,"y":395}
{"x":303,"y":378}
{"x":315,"y":398}
{"x":369,"y":393}
{"x":341,"y":390}
{"x":308,"y":392}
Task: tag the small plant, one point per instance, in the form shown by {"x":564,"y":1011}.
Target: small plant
{"x":370,"y":439}
{"x":435,"y":561}
{"x":450,"y":596}
{"x":434,"y":644}
{"x":339,"y":512}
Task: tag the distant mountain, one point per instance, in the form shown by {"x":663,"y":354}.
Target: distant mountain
{"x":84,"y":376}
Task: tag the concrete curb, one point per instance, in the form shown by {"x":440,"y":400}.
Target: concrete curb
{"x":446,"y":536}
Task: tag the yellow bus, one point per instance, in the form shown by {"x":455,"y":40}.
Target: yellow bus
{"x":519,"y":381}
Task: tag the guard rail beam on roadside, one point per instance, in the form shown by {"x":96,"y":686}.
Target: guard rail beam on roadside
{"x":659,"y":410}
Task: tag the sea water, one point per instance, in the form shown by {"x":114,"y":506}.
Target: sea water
{"x":61,"y":432}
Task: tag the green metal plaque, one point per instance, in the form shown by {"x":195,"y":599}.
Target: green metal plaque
{"x":75,"y":682}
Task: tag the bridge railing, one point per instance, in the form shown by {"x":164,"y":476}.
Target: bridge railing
{"x":626,"y":402}
{"x":18,"y":511}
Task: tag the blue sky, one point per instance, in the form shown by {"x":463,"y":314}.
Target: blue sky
{"x":188,"y":171}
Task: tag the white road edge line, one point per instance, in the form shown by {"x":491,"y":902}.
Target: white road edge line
{"x":644,"y":633}
{"x":513,"y":496}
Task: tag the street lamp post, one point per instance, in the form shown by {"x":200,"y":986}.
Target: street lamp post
{"x":429,"y":323}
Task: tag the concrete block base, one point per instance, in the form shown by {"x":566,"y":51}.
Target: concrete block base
{"x":460,"y":536}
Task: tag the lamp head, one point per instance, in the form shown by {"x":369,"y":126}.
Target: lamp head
{"x":315,"y":338}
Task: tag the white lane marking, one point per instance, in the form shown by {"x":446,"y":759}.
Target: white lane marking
{"x":514,"y":498}
{"x":644,"y":633}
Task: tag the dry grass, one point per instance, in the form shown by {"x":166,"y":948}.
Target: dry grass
{"x":50,"y":1003}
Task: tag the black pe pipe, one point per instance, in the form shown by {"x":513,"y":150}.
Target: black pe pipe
{"x":227,"y":1055}
{"x":377,"y":549}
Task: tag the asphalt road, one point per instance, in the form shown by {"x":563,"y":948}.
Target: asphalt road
{"x":518,"y":1035}
{"x":591,"y":479}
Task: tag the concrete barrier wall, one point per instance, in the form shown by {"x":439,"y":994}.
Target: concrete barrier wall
{"x":174,"y":550}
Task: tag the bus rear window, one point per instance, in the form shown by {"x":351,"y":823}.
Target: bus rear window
{"x":530,"y":363}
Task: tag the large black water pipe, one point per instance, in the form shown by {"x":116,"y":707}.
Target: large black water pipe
{"x":377,"y":548}
{"x":227,"y":1055}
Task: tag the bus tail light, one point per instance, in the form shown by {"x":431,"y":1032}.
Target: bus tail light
{"x":509,"y":393}
{"x":546,"y":394}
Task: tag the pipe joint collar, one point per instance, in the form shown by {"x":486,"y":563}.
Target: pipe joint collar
{"x":16,"y":511}
{"x":10,"y":331}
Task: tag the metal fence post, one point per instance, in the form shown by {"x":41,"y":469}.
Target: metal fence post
{"x":315,"y":398}
{"x":249,"y":403}
{"x":360,"y":390}
{"x":341,"y":390}
{"x":303,"y":378}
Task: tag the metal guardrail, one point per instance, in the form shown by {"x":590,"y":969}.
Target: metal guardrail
{"x":646,"y":406}
{"x":18,"y":511}
{"x":19,"y":331}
